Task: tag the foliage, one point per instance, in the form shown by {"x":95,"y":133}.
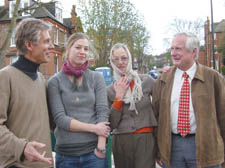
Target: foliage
{"x":223,"y":70}
{"x":221,"y":49}
{"x":109,"y":22}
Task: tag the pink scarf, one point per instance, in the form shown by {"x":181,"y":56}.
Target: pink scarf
{"x":71,"y":70}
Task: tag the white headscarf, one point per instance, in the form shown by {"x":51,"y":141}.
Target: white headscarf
{"x":131,"y":96}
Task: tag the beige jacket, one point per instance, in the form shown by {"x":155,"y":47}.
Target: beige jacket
{"x":23,"y":117}
{"x":208,"y":97}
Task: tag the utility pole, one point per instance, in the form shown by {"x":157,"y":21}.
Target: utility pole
{"x":212,"y":28}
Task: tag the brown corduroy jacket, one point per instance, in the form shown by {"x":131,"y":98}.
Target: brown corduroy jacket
{"x":208,"y":97}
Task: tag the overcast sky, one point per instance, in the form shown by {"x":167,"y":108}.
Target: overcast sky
{"x":159,"y":14}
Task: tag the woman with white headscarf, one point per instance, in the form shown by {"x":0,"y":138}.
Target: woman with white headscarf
{"x":131,"y":116}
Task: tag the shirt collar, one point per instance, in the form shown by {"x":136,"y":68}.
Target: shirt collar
{"x":191,"y":71}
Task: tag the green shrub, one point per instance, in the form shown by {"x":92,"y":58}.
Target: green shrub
{"x":223,"y":70}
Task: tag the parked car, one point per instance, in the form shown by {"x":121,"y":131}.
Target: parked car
{"x":154,"y":74}
{"x":107,"y":74}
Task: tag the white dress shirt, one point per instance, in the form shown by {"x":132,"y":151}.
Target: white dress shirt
{"x":175,"y":97}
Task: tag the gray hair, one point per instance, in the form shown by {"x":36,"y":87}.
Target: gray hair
{"x":29,"y":29}
{"x":191,"y":43}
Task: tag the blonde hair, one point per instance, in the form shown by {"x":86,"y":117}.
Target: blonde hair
{"x":72,"y":39}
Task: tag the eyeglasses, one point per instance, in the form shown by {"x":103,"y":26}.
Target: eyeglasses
{"x":122,"y":59}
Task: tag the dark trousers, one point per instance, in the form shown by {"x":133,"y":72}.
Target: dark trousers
{"x":134,"y":150}
{"x":183,"y":153}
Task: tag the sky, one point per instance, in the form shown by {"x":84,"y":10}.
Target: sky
{"x":159,"y":14}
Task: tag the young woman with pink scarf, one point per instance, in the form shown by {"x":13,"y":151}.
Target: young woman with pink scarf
{"x":78,"y":102}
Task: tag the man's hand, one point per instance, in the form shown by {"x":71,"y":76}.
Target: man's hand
{"x":31,"y":152}
{"x":164,"y":69}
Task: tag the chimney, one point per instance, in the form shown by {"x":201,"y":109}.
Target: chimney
{"x":6,"y":3}
{"x":73,"y":15}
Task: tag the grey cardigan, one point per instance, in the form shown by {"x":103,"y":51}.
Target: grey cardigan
{"x":86,"y":106}
{"x":126,"y":121}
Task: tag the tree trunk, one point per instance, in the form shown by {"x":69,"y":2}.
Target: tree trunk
{"x":4,"y":49}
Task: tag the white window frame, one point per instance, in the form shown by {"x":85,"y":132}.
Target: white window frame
{"x":65,"y":38}
{"x":22,"y":5}
{"x":58,"y":14}
{"x":12,"y":41}
{"x":13,"y":59}
{"x":56,"y":63}
{"x":214,"y":36}
{"x":11,"y":8}
{"x":56,"y":36}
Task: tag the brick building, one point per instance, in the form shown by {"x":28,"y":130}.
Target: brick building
{"x":61,"y":30}
{"x":205,"y":55}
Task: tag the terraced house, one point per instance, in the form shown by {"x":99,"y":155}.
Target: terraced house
{"x":62,"y":28}
{"x":206,"y":56}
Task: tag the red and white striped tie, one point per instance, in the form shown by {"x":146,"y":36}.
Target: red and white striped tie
{"x":183,"y":124}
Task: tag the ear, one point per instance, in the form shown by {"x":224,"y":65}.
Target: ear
{"x":194,"y":52}
{"x":29,"y":45}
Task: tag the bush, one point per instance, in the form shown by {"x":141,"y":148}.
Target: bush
{"x":223,"y":70}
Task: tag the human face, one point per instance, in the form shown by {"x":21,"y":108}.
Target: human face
{"x":41,"y":51}
{"x":182,"y":57}
{"x":78,"y":52}
{"x":120,"y":59}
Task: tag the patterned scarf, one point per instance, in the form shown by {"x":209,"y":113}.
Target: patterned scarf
{"x":71,"y":70}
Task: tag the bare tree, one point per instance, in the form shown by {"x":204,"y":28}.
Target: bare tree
{"x":195,"y":27}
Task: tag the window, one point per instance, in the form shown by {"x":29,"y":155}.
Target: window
{"x":12,"y":42}
{"x":56,"y":63}
{"x":58,"y":14}
{"x":23,"y":4}
{"x":11,"y":8}
{"x":58,"y":11}
{"x":56,"y":36}
{"x":65,"y":38}
{"x":214,"y":36}
{"x":13,"y":59}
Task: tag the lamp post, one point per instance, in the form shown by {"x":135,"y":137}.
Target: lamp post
{"x":212,"y":28}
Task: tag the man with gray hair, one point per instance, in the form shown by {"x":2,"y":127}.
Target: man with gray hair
{"x":189,"y":104}
{"x":24,"y":121}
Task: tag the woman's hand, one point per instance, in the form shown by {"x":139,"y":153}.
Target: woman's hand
{"x":99,"y":154}
{"x":121,"y":87}
{"x":102,"y":129}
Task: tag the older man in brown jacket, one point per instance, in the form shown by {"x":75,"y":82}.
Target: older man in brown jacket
{"x":198,"y":140}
